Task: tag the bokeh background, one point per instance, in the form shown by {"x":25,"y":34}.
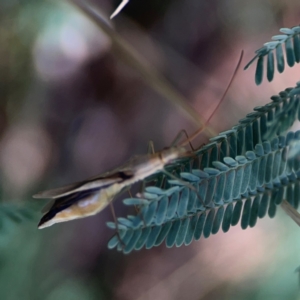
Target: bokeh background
{"x":71,"y":107}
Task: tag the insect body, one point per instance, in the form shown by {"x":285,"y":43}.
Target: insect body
{"x":89,"y":197}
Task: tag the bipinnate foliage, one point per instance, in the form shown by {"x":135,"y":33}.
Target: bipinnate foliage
{"x":242,"y":175}
{"x":290,"y":40}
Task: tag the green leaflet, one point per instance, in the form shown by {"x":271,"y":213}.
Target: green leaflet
{"x":291,"y":42}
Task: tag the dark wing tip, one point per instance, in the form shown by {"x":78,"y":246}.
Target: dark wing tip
{"x":47,"y":217}
{"x":40,"y":224}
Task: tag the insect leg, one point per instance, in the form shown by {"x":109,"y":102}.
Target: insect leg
{"x":150,"y":149}
{"x":116,"y":222}
{"x":137,"y":210}
{"x":178,"y":138}
{"x":185,"y":183}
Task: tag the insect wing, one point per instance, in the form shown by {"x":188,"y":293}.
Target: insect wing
{"x":65,"y":208}
{"x":79,"y":205}
{"x":89,"y":184}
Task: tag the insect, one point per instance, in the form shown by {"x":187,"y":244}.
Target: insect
{"x":91,"y":196}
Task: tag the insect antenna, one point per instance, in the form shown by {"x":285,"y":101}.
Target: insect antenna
{"x":149,"y":74}
{"x":116,"y":222}
{"x":197,"y":132}
{"x":179,"y":135}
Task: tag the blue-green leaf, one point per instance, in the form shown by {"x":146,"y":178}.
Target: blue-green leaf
{"x":208,"y":223}
{"x":163,"y":233}
{"x":218,"y":220}
{"x":162,"y":210}
{"x":183,"y":202}
{"x":133,"y":241}
{"x":229,"y":186}
{"x":246,"y":214}
{"x":254,"y":211}
{"x":290,"y":56}
{"x":153,"y":236}
{"x":280,"y":59}
{"x":191,"y":229}
{"x":199,"y":226}
{"x":297,"y":48}
{"x":263,"y":206}
{"x":171,"y":238}
{"x":259,"y":70}
{"x":227,"y":217}
{"x":143,"y":238}
{"x":149,"y":215}
{"x":270,"y":66}
{"x":114,"y":241}
{"x":236,"y":213}
{"x":172,"y":208}
{"x":135,"y":201}
{"x":182,"y":232}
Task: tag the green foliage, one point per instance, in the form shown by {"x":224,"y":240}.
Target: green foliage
{"x":25,"y":264}
{"x":239,"y":176}
{"x":287,"y":111}
{"x":290,"y":39}
{"x":16,"y":215}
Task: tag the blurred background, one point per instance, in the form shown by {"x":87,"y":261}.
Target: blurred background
{"x":72,"y":107}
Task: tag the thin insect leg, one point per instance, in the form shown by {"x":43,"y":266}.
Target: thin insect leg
{"x":178,"y":138}
{"x":185,"y":183}
{"x":135,"y":207}
{"x":138,"y":210}
{"x":142,"y":189}
{"x":150,"y":149}
{"x":119,"y":8}
{"x":116,"y":222}
{"x":142,"y":194}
